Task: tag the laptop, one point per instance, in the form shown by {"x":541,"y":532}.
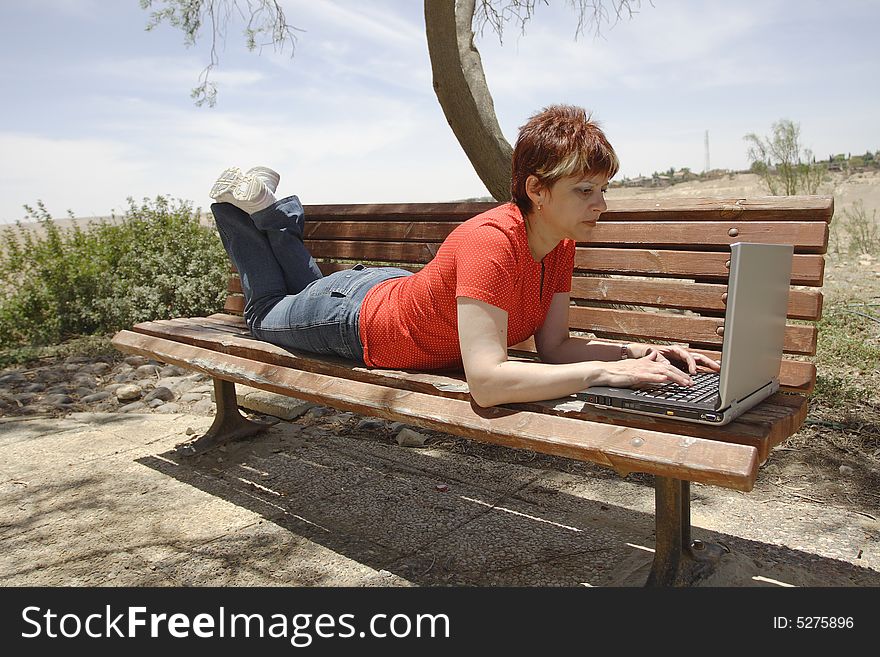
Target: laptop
{"x":751,"y":353}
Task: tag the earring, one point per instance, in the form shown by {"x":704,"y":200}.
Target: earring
{"x":539,"y":207}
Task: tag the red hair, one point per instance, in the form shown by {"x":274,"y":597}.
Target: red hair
{"x":559,"y":141}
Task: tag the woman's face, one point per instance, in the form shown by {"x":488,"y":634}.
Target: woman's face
{"x":571,"y":206}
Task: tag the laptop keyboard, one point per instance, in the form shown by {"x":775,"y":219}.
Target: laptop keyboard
{"x":705,"y":387}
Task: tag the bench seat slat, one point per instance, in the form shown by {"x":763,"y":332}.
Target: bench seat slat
{"x":749,"y":429}
{"x":624,"y":449}
{"x":807,"y":237}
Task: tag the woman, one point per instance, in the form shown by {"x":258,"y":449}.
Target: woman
{"x":498,"y":278}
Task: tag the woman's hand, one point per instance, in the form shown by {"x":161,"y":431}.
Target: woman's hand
{"x":667,"y":353}
{"x":651,"y":369}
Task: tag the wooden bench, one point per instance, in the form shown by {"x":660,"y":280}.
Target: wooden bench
{"x":656,"y":272}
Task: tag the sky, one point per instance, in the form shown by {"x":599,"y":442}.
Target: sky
{"x":96,"y":109}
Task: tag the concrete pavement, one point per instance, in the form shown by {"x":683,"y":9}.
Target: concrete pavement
{"x":103,"y":499}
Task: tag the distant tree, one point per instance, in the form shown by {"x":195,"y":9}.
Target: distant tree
{"x":779,"y":160}
{"x":450,"y":26}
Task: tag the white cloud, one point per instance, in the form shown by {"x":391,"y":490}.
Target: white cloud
{"x":158,"y":72}
{"x":369,"y":21}
{"x":79,"y":174}
{"x":677,"y":47}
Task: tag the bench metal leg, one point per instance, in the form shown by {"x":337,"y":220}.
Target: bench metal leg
{"x":678,"y":560}
{"x":229,"y":424}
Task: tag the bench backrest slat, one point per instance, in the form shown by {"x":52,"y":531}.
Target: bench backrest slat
{"x":656,"y":269}
{"x":810,"y":237}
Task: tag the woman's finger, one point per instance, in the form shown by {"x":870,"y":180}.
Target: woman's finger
{"x":688,"y":358}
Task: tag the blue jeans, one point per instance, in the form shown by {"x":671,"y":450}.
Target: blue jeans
{"x":288,"y":301}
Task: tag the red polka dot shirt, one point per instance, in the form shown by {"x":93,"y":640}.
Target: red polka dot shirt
{"x":411,"y":322}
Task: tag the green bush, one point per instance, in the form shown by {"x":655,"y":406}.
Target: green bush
{"x":863,"y":231}
{"x":156,"y":262}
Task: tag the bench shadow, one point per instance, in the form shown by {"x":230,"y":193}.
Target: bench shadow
{"x":437,"y":517}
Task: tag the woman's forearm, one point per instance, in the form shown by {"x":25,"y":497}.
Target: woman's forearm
{"x":576,"y":349}
{"x":524,"y":381}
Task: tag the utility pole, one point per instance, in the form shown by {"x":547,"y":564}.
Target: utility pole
{"x":706,"y":142}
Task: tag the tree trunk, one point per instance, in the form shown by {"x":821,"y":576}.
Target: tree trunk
{"x":461,"y":88}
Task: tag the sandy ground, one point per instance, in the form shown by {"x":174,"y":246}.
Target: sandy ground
{"x":846,"y":190}
{"x":104,"y":499}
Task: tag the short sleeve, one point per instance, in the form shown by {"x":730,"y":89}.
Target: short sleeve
{"x":485,"y":264}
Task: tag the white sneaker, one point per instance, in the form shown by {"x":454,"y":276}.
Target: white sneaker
{"x":270,"y":177}
{"x":247,"y":192}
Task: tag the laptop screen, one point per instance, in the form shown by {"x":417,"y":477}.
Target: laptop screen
{"x":754,"y":324}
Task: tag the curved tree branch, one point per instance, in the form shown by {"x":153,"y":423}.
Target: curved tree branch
{"x":460,"y":85}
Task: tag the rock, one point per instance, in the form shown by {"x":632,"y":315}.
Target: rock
{"x":96,"y":397}
{"x":394,"y":427}
{"x":99,"y":368}
{"x":113,"y":387}
{"x":155,"y":403}
{"x":270,"y":403}
{"x":190,"y":431}
{"x":72,"y":368}
{"x":84,"y":381}
{"x":34,"y":387}
{"x":83,"y":392}
{"x":172,"y":370}
{"x":128,"y":393}
{"x":57,"y":399}
{"x":135,"y":361}
{"x":76,"y":360}
{"x":12,"y":377}
{"x":134,"y":406}
{"x":58,"y":390}
{"x":190,"y":397}
{"x":205,"y":388}
{"x":845,"y":470}
{"x":170,"y":407}
{"x":46,"y":376}
{"x":123,"y":377}
{"x":24,"y":397}
{"x":370,"y":424}
{"x":161,"y":393}
{"x":409,"y":438}
{"x":318,"y":411}
{"x":146,"y":371}
{"x":197,"y":376}
{"x":204,"y":407}
{"x":176,"y":383}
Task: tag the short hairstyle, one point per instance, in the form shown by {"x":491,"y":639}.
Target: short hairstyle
{"x":559,"y":141}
